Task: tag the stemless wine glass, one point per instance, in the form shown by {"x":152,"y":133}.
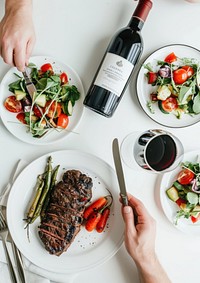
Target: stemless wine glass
{"x":153,"y":150}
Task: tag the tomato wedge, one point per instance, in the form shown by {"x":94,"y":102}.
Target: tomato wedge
{"x":152,"y":77}
{"x":21,"y":117}
{"x":171,"y":58}
{"x":12,"y":104}
{"x":195,"y":219}
{"x":46,"y":67}
{"x":53,"y":109}
{"x":63,"y":78}
{"x":180,"y":76}
{"x":63,"y":121}
{"x":189,"y":70}
{"x":185,"y":176}
{"x":169,"y":104}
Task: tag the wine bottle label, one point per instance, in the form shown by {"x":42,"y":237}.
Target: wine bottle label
{"x":114,"y":73}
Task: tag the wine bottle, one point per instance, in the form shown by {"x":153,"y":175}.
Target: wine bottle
{"x":117,"y":65}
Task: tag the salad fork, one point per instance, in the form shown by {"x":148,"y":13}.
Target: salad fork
{"x":4,"y":233}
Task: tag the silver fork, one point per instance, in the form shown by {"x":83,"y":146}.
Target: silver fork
{"x":4,"y":233}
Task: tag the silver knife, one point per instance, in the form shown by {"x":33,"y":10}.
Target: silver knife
{"x":29,"y":84}
{"x":119,"y":170}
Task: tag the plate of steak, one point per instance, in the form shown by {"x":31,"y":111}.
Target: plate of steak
{"x":59,"y":241}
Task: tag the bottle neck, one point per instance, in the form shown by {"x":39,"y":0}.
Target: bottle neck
{"x":140,"y":14}
{"x":136,"y":23}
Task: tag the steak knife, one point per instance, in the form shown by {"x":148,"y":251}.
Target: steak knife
{"x":119,"y":170}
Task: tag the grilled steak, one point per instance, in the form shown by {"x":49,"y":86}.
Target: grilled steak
{"x":64,"y":214}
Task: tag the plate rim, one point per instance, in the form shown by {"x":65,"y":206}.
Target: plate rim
{"x":95,"y":159}
{"x":136,"y":85}
{"x":33,"y":141}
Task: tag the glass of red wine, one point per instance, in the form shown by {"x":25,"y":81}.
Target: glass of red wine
{"x":153,"y":150}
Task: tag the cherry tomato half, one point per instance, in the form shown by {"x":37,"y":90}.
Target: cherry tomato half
{"x":63,"y":78}
{"x":21,"y":117}
{"x":12,"y":104}
{"x":37,"y":111}
{"x":189,"y":70}
{"x":185,"y":176}
{"x":195,"y":219}
{"x":170,"y":104}
{"x":171,"y":58}
{"x":180,"y":76}
{"x":46,"y":67}
{"x":63,"y":121}
{"x":152,"y":77}
{"x":54,"y":110}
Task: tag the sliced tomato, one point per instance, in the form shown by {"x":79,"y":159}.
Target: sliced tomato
{"x":195,"y":219}
{"x":21,"y":117}
{"x":152,"y":77}
{"x":46,"y":67}
{"x":37,"y":112}
{"x":154,"y":97}
{"x":12,"y":104}
{"x":171,"y":58}
{"x":180,"y":76}
{"x":53,"y":109}
{"x":63,"y":121}
{"x":169,"y":104}
{"x":180,"y":202}
{"x":189,"y":70}
{"x":63,"y":78}
{"x":185,"y":176}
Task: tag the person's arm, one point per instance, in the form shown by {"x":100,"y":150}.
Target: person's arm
{"x":140,"y":242}
{"x":17,"y":36}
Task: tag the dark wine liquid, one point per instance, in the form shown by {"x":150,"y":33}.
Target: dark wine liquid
{"x":161,"y":152}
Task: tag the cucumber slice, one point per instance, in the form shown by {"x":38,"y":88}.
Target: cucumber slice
{"x":68,"y":108}
{"x":192,"y":198}
{"x":178,"y":186}
{"x":196,"y":208}
{"x":161,"y":108}
{"x":41,"y":100}
{"x":172,"y":194}
{"x":19,"y":94}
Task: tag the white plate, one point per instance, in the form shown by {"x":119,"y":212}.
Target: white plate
{"x":144,"y":89}
{"x":88,"y":249}
{"x":169,"y":207}
{"x":18,"y":129}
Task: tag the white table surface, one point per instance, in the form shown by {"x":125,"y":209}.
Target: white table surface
{"x":77,"y":33}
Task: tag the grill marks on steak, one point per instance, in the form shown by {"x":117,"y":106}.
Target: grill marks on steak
{"x":64,"y":214}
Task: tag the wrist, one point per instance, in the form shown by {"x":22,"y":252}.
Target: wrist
{"x":13,"y":6}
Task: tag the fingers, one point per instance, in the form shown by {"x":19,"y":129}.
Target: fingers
{"x":29,"y":49}
{"x":128,"y":216}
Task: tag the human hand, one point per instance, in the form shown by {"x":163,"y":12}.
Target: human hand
{"x":140,"y":235}
{"x":17,"y":36}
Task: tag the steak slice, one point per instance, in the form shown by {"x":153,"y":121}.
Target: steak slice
{"x":64,"y":214}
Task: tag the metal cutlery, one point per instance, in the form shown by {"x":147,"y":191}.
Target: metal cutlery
{"x":29,"y":85}
{"x":119,"y":170}
{"x":4,"y":234}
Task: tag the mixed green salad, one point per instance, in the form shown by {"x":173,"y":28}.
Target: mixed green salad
{"x":49,"y":107}
{"x":176,"y":84}
{"x":185,"y":192}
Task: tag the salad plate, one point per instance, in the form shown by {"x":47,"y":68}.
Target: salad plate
{"x":171,"y":208}
{"x":88,"y":249}
{"x":145,"y":89}
{"x":20,"y":130}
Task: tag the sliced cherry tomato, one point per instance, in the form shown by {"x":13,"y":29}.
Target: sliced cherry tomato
{"x":63,"y":78}
{"x":169,"y":104}
{"x":12,"y":104}
{"x":63,"y":121}
{"x":37,"y":111}
{"x":189,"y":70}
{"x":185,"y":176}
{"x":171,"y":58}
{"x":54,"y":109}
{"x":180,"y":76}
{"x":195,"y":219}
{"x":21,"y":117}
{"x":152,"y":77}
{"x":46,"y":67}
{"x":180,"y":202}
